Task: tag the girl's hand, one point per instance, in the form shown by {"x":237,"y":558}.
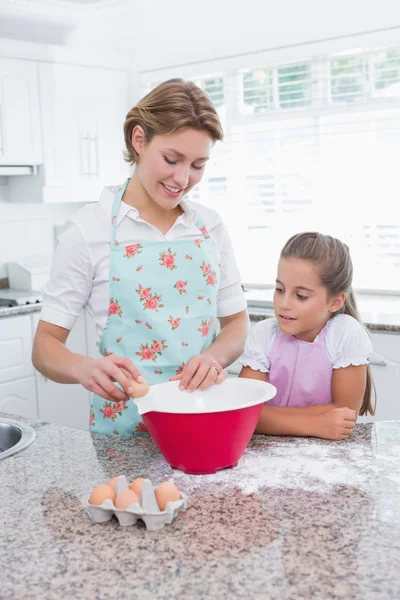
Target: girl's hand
{"x":200,"y":372}
{"x":336,"y":424}
{"x":98,"y":376}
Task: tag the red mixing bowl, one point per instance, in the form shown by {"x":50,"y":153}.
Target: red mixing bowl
{"x":204,"y":431}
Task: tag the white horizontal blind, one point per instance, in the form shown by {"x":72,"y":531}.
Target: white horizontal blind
{"x":310,"y":145}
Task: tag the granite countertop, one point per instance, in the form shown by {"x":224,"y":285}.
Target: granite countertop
{"x":26,"y":309}
{"x":378,"y":312}
{"x":297,"y":519}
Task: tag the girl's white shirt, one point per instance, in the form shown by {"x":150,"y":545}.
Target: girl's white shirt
{"x":80,"y":270}
{"x":346,"y":340}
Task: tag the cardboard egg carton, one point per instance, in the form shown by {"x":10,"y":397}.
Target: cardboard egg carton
{"x":148,"y":510}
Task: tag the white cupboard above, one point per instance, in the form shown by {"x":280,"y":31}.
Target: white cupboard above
{"x":20,"y":137}
{"x":83,"y":111}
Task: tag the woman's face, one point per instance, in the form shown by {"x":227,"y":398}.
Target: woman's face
{"x":171,"y":165}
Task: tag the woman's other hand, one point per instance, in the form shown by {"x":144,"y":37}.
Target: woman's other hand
{"x":99,"y":376}
{"x":200,"y":372}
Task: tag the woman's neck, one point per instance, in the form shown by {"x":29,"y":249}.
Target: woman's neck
{"x":135,"y":195}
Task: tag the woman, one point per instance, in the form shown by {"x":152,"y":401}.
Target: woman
{"x":154,"y":270}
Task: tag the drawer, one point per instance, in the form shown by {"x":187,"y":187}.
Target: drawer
{"x":15,"y":348}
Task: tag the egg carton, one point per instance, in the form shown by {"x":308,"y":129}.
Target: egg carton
{"x":148,"y":510}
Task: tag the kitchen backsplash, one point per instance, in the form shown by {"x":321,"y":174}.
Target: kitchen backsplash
{"x":27,"y":230}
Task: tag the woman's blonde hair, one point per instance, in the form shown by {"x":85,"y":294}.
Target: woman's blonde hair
{"x":172,"y":105}
{"x":335,"y":270}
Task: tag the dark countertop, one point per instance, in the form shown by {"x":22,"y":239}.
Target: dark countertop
{"x":297,"y":519}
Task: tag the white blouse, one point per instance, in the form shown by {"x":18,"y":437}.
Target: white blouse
{"x":346,"y":340}
{"x":81,"y":264}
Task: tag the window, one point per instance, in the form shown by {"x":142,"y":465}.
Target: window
{"x":311,"y":145}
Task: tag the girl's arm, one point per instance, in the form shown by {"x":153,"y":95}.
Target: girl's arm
{"x":322,"y":420}
{"x":348,"y":386}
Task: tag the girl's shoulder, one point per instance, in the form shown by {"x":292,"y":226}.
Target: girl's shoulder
{"x":345,"y":325}
{"x":347,"y":341}
{"x":259,"y":344}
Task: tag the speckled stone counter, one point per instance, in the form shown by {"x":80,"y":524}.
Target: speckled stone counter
{"x":378,"y":312}
{"x":297,"y":519}
{"x":26,"y":309}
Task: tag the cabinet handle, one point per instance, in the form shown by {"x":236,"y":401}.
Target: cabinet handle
{"x":94,"y":162}
{"x":85,"y":154}
{"x":378,"y":360}
{"x":1,"y":131}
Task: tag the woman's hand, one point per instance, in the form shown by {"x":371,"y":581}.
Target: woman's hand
{"x":200,"y":373}
{"x":336,"y":424}
{"x":98,"y":376}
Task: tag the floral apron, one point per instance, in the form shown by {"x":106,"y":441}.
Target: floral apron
{"x":162,"y":311}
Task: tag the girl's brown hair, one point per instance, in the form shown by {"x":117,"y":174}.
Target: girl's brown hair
{"x":335,"y":269}
{"x":172,"y":105}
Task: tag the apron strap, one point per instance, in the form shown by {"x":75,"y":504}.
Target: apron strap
{"x":202,"y":228}
{"x":115,"y":210}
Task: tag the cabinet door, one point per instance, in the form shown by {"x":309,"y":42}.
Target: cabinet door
{"x":19,"y":397}
{"x":385,"y":369}
{"x":65,"y":137}
{"x":15,"y":348}
{"x":109,"y":107}
{"x":84,"y":112}
{"x":20,"y":142}
{"x":65,"y":404}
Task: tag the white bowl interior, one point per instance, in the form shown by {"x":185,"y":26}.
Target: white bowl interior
{"x":232,"y":394}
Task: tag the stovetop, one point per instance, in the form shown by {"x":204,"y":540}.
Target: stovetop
{"x":10,"y":297}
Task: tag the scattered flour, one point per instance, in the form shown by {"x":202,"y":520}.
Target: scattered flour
{"x":309,"y":468}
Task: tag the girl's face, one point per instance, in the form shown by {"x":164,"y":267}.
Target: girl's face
{"x":301,"y":303}
{"x":171,"y":165}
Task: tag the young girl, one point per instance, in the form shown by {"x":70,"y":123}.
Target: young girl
{"x":155,"y":271}
{"x":316,"y":350}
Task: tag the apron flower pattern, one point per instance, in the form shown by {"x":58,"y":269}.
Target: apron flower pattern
{"x":114,"y":308}
{"x":132,"y":249}
{"x":174,"y":322}
{"x":153,"y":351}
{"x":172,"y":277}
{"x":150,"y":301}
{"x":167,"y":259}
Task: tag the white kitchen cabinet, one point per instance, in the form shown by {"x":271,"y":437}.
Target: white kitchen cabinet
{"x":84,"y":109}
{"x":65,"y":404}
{"x":20,"y":139}
{"x":19,"y":397}
{"x":385,"y":370}
{"x":17,"y":382}
{"x":15,"y":348}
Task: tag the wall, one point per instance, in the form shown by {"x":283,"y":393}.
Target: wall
{"x":178,"y":32}
{"x":27,"y":230}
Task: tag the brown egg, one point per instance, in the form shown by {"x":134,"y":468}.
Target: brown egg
{"x":125,"y":499}
{"x":113,"y":483}
{"x":166,"y":492}
{"x":136,"y":485}
{"x":101,"y":493}
{"x":139,"y":389}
